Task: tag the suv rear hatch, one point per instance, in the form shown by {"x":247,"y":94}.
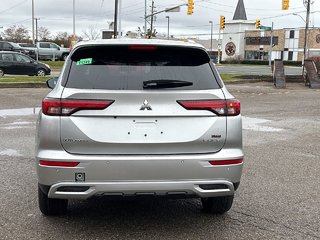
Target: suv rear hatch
{"x":156,"y":101}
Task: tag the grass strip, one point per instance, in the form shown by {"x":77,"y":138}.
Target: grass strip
{"x":23,"y":79}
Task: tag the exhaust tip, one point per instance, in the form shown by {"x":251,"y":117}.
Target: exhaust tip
{"x":73,"y":189}
{"x":213,"y":186}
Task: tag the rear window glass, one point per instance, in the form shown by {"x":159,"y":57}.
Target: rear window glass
{"x":128,"y":67}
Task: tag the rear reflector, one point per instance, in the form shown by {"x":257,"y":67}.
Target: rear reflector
{"x":66,"y":107}
{"x":58,"y":164}
{"x":229,"y":107}
{"x":226,"y":162}
{"x":142,"y":47}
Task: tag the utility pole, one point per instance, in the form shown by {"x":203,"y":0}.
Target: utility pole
{"x":151,"y":25}
{"x":307,"y":2}
{"x":168,"y":26}
{"x":36,"y":19}
{"x":115,"y":31}
{"x":119,"y":17}
{"x":153,"y":13}
{"x":74,"y":18}
{"x":33,"y":21}
{"x":145,"y":18}
{"x":271,"y":44}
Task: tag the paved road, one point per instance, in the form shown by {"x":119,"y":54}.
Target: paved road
{"x":255,"y":69}
{"x":278,"y":197}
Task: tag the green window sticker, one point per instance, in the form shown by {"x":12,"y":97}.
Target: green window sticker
{"x":85,"y":61}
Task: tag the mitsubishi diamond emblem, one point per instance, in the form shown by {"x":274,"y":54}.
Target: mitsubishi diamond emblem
{"x":145,"y":106}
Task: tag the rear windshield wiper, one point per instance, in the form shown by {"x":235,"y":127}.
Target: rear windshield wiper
{"x":165,"y":83}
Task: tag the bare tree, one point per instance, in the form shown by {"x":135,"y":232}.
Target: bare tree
{"x":151,"y":34}
{"x":16,"y":34}
{"x":92,"y":33}
{"x":44,"y":33}
{"x":62,"y":38}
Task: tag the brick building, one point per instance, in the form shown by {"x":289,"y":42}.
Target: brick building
{"x":241,"y":41}
{"x":288,"y":44}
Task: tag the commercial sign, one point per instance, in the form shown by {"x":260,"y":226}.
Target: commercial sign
{"x":261,"y":40}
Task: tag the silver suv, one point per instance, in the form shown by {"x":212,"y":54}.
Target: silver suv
{"x":138,"y":118}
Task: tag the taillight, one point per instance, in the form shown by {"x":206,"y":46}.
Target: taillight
{"x":226,"y":162}
{"x":58,"y":163}
{"x":66,"y":107}
{"x":229,"y":107}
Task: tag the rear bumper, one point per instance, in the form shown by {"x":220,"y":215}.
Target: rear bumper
{"x":205,"y":188}
{"x":122,"y":175}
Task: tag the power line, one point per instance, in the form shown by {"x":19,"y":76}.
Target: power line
{"x":28,"y":19}
{"x":14,"y":6}
{"x":218,"y":10}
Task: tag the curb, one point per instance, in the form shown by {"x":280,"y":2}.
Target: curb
{"x":243,"y":81}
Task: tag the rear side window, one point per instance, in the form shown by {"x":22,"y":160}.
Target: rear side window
{"x":7,"y":57}
{"x":53,"y":46}
{"x":128,"y":67}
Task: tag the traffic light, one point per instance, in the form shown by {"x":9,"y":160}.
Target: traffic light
{"x":285,"y":4}
{"x":257,"y":24}
{"x":222,"y":22}
{"x":190,"y":7}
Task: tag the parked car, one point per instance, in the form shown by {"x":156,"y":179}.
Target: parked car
{"x":10,"y":46}
{"x":49,"y":51}
{"x":21,"y":64}
{"x":138,"y":118}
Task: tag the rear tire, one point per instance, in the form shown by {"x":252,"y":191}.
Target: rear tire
{"x":217,"y":205}
{"x":50,"y":206}
{"x":1,"y":72}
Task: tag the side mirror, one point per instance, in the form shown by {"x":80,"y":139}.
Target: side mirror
{"x":52,"y":82}
{"x":58,"y":48}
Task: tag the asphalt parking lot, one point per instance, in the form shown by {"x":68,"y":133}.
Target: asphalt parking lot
{"x":278,"y":198}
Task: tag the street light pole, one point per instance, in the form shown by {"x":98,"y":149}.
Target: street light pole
{"x":296,"y":14}
{"x":219,"y":46}
{"x":211,"y":36}
{"x":36,"y":19}
{"x":168,"y":26}
{"x":74,"y":18}
{"x":33,"y":21}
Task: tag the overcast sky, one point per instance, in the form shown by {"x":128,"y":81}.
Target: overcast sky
{"x":56,"y":15}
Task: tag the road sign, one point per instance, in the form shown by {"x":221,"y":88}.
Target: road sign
{"x":265,"y":28}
